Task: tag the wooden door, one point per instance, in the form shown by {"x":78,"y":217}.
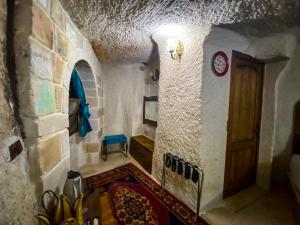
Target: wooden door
{"x":243,"y":123}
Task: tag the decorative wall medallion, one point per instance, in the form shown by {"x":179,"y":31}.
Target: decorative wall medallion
{"x":220,"y":63}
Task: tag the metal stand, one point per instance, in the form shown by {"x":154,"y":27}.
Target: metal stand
{"x":199,"y":183}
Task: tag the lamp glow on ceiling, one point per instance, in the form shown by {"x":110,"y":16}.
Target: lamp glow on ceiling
{"x":171,"y":30}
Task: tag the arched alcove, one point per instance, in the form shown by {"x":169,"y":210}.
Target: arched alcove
{"x":85,"y":150}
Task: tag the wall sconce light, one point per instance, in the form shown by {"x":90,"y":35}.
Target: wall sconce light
{"x":176,"y":48}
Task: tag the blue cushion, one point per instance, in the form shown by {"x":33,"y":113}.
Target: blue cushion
{"x":114,"y":139}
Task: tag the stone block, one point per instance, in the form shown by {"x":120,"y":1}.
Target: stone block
{"x":100,"y":112}
{"x":59,"y":92}
{"x":52,"y":124}
{"x":42,"y":27}
{"x":66,"y":78}
{"x":94,"y":124}
{"x":49,"y":152}
{"x":70,"y":30}
{"x":99,"y":80}
{"x":73,"y":34}
{"x":92,"y":137}
{"x":86,"y":74}
{"x":40,"y":61}
{"x":92,"y":147}
{"x":91,"y":93}
{"x":65,"y":143}
{"x":89,"y":84}
{"x":100,"y":91}
{"x":99,"y":77}
{"x":43,"y":97}
{"x":100,"y":102}
{"x":57,"y":14}
{"x":100,"y":133}
{"x":58,"y":66}
{"x":65,"y":105}
{"x":93,"y":102}
{"x":94,"y":112}
{"x":56,"y":179}
{"x":61,"y":44}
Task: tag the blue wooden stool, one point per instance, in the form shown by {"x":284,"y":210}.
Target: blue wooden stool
{"x":114,"y":139}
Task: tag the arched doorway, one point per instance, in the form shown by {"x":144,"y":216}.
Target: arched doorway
{"x":85,"y":150}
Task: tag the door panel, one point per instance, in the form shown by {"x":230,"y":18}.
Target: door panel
{"x":244,"y":96}
{"x":243,"y":123}
{"x":241,"y":164}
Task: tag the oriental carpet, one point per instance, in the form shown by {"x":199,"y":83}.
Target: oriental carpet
{"x":132,"y":198}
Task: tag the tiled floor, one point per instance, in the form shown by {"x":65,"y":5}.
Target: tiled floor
{"x":274,"y":208}
{"x":114,"y":160}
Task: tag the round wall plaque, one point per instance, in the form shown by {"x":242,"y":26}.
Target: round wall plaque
{"x":220,"y":63}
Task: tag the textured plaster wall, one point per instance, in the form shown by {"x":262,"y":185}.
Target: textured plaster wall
{"x":120,"y":30}
{"x":48,"y":45}
{"x":193,"y":107}
{"x":17,"y":200}
{"x":179,"y":120}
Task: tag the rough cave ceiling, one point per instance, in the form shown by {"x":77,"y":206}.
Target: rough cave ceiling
{"x":120,"y":30}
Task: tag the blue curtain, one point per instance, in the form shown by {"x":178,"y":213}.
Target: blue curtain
{"x":78,"y":92}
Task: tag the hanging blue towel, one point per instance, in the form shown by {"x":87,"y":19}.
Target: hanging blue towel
{"x":78,"y":92}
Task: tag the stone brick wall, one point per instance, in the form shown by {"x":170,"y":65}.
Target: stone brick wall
{"x":48,"y":46}
{"x":91,"y":141}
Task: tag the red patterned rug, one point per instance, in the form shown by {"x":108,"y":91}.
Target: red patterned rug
{"x":134,"y":204}
{"x":136,"y":199}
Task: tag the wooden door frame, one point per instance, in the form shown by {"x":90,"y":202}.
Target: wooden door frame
{"x":246,"y":57}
